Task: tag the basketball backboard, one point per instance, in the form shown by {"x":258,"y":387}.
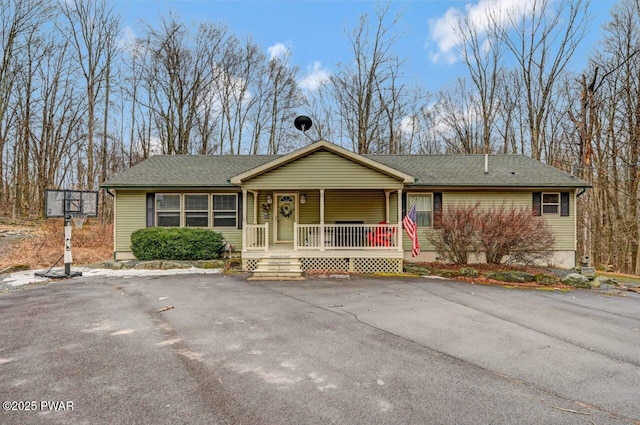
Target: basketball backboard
{"x":60,"y":203}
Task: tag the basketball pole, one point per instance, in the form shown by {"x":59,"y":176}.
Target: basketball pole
{"x":68,"y":258}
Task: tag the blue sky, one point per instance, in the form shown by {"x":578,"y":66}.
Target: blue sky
{"x":314,"y":30}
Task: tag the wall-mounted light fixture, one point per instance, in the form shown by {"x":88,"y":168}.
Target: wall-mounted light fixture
{"x":303,"y":199}
{"x":269,"y":199}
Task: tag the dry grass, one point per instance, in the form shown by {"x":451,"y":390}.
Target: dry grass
{"x":42,"y":244}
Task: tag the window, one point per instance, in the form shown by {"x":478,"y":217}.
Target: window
{"x":550,"y":203}
{"x":196,"y":210}
{"x":424,"y":208}
{"x":224,"y":210}
{"x":168,"y":210}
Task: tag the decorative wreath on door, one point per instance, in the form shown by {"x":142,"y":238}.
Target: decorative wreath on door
{"x":286,"y":210}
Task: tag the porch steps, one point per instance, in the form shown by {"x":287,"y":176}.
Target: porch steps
{"x":281,"y":267}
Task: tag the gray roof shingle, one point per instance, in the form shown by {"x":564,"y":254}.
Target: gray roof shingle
{"x":429,"y":170}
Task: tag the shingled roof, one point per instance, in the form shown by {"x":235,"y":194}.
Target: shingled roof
{"x":187,"y":171}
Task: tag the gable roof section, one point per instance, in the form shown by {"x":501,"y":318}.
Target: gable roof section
{"x":186,"y":171}
{"x":468,"y":171}
{"x":323,"y":146}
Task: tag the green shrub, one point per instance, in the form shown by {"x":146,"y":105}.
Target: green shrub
{"x":161,"y":243}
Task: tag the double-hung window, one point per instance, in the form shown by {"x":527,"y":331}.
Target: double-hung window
{"x":550,"y":203}
{"x":225,"y":210}
{"x":424,"y":208}
{"x":196,"y":210}
{"x":168,"y":210}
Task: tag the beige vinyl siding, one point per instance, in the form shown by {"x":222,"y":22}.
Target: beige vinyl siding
{"x":354,"y":205}
{"x":563,"y":227}
{"x":322,"y":170}
{"x":131,"y":215}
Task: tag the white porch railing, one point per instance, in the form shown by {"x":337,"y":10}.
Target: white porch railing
{"x":257,"y":237}
{"x":345,"y":236}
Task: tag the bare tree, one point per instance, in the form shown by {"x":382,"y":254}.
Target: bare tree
{"x":542,"y":41}
{"x":177,"y":74}
{"x":362,"y":88}
{"x":482,"y":54}
{"x":93,"y":30}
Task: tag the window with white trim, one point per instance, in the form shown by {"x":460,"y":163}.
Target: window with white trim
{"x":167,"y":210}
{"x":196,"y":210}
{"x":225,"y":210}
{"x":551,"y":203}
{"x":424,"y":208}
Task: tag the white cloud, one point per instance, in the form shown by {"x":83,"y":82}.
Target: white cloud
{"x":278,"y":50}
{"x":442,"y":30}
{"x":127,"y":39}
{"x":315,"y":78}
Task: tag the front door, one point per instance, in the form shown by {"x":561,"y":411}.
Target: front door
{"x":286,"y":213}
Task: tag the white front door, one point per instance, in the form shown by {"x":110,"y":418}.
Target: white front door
{"x":285,"y":214}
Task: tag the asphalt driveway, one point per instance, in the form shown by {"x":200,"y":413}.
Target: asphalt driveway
{"x":215,"y":349}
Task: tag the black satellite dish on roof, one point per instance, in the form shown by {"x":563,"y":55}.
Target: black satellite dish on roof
{"x":303,"y":123}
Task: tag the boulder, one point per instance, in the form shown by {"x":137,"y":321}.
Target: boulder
{"x":468,"y":272}
{"x":415,"y":269}
{"x":605,"y":280}
{"x":148,"y":265}
{"x":577,"y":280}
{"x":546,"y":279}
{"x":168,"y":265}
{"x":209,"y":264}
{"x":510,"y":276}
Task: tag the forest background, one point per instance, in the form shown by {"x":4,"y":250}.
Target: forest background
{"x":79,"y":102}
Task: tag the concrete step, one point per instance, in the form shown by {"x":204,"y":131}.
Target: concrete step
{"x":278,"y":268}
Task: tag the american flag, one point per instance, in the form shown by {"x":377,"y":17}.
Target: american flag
{"x":411,"y":226}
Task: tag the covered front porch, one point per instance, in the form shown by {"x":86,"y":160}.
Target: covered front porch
{"x":328,"y":207}
{"x":327,"y":229}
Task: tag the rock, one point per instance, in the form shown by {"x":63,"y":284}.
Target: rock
{"x":209,"y":264}
{"x":605,"y":280}
{"x":446,"y":273}
{"x":168,"y":265}
{"x":545,"y":279}
{"x":511,"y":276}
{"x":110,"y":264}
{"x":148,"y":265}
{"x":468,"y":272}
{"x":419,"y":270}
{"x":577,"y":280}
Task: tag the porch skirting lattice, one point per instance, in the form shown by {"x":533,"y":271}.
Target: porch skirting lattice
{"x":353,"y":265}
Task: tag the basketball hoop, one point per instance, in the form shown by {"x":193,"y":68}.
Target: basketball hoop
{"x":78,"y":219}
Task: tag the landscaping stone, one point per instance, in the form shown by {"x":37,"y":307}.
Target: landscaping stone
{"x":545,"y":279}
{"x":577,"y":280}
{"x":605,"y":280}
{"x":209,"y":264}
{"x":168,"y":265}
{"x":468,"y":272}
{"x":446,"y":273}
{"x":419,"y":270}
{"x":148,"y":265}
{"x":511,"y":276}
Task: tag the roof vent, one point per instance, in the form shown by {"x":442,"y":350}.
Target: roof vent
{"x":486,"y":163}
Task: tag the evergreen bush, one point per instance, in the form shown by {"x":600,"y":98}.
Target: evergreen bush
{"x":162,"y":243}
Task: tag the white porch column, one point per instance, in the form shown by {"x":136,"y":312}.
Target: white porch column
{"x":255,"y":206}
{"x":399,"y":219}
{"x":244,"y":219}
{"x":321,"y":220}
{"x":387,"y":193}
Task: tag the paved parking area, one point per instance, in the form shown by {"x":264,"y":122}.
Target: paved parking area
{"x":216,"y":349}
